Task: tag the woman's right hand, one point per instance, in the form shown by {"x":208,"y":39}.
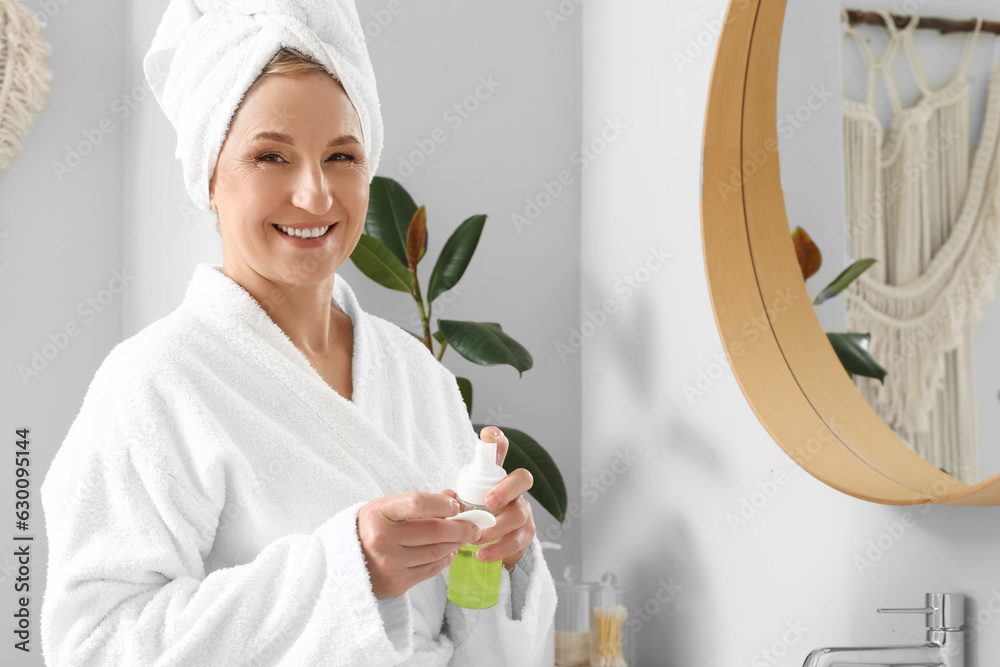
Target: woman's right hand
{"x":406,"y":539}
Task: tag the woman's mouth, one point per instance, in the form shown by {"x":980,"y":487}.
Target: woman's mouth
{"x":303,"y":233}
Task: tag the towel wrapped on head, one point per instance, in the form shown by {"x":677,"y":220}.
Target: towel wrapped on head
{"x":207,"y":53}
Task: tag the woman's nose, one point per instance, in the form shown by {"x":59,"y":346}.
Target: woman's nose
{"x":312,"y":191}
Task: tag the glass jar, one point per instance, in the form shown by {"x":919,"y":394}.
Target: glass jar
{"x":610,"y":643}
{"x":573,"y":601}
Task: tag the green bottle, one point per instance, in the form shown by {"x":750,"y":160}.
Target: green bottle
{"x":472,"y":583}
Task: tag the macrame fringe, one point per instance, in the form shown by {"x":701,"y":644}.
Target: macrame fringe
{"x":934,"y":228}
{"x":26,"y":77}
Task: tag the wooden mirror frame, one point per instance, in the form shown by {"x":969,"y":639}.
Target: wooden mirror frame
{"x":776,"y":346}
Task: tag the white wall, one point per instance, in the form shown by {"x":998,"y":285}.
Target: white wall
{"x":60,"y":243}
{"x":799,"y":560}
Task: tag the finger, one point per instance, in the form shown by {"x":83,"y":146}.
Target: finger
{"x":416,"y":504}
{"x":418,"y":532}
{"x":494,"y":434}
{"x":509,"y":488}
{"x":509,"y":544}
{"x":450,"y":494}
{"x":428,"y":570}
{"x":428,"y":553}
{"x":510,"y":519}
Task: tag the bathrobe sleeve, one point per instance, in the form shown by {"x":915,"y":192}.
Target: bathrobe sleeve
{"x":132,"y":510}
{"x":515,"y":630}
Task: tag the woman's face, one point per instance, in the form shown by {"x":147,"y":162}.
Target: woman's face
{"x":314,"y":176}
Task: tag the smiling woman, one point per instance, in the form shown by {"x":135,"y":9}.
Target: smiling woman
{"x":291,"y":202}
{"x":267,"y":466}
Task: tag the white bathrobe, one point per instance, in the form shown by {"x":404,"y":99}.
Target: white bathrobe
{"x":202,"y":509}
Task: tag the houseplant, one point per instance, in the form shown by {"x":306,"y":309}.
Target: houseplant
{"x":389,"y":252}
{"x":851,"y":348}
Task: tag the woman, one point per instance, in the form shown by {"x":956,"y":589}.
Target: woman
{"x":253,"y":478}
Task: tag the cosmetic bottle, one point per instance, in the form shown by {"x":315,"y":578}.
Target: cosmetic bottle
{"x":472,"y":583}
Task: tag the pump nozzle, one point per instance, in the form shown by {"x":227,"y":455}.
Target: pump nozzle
{"x":477,"y":478}
{"x":486,"y":456}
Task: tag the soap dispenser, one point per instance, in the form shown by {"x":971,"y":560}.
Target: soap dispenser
{"x":472,"y":583}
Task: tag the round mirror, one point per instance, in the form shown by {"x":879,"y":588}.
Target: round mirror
{"x":890,"y":176}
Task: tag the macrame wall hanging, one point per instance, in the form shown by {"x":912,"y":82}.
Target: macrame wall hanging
{"x":24,"y":77}
{"x":927,"y":207}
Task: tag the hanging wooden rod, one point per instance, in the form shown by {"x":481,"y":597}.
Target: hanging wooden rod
{"x":945,"y":26}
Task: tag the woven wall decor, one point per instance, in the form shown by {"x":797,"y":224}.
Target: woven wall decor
{"x":25,"y":77}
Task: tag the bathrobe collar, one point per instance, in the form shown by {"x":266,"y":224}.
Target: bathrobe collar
{"x":241,"y":322}
{"x":219,"y":298}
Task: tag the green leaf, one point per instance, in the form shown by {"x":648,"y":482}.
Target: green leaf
{"x":548,"y":487}
{"x":390,"y":210}
{"x":465,"y":388}
{"x":376,"y":262}
{"x":439,"y":337}
{"x":486,"y":344}
{"x":852,"y":350}
{"x":846,"y":277}
{"x":455,"y":256}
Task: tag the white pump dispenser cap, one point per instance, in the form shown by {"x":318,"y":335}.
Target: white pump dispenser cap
{"x":477,"y":478}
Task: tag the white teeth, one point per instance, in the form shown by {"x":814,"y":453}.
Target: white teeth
{"x":304,"y":233}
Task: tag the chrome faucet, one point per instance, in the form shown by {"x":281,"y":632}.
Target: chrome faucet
{"x":945,"y":646}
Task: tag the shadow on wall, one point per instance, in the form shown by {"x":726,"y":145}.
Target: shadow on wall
{"x":661,"y":566}
{"x":664,"y":617}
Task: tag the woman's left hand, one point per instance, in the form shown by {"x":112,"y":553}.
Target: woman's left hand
{"x":515,"y":527}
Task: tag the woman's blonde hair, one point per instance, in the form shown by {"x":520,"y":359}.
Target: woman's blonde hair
{"x":291,"y":61}
{"x":286,"y":61}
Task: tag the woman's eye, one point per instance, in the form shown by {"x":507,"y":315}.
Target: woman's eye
{"x":336,"y":157}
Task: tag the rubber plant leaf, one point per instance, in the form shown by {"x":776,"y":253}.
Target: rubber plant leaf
{"x":379,"y":264}
{"x":486,"y":344}
{"x":455,"y":256}
{"x":548,"y":487}
{"x":852,"y":350}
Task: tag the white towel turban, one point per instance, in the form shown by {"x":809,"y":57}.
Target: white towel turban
{"x":207,"y":53}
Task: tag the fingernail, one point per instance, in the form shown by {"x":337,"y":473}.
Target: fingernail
{"x":456,"y":508}
{"x":478,"y":535}
{"x":480,"y":555}
{"x":492,"y":500}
